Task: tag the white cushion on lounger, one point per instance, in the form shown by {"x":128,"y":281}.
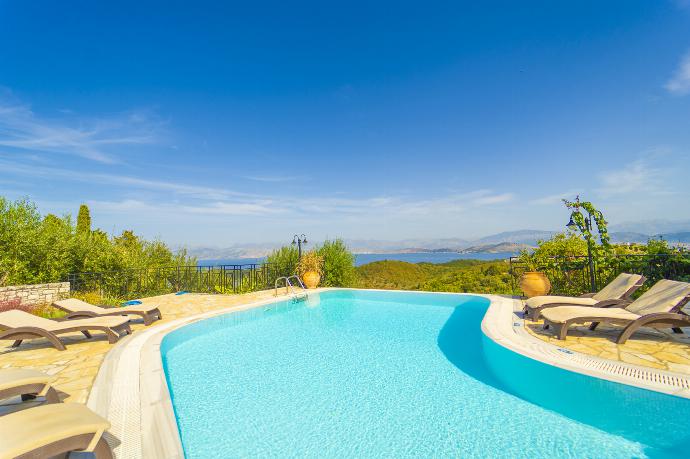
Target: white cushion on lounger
{"x":75,"y":305}
{"x":539,"y":301}
{"x":618,"y":287}
{"x":562,"y":313}
{"x":659,"y":297}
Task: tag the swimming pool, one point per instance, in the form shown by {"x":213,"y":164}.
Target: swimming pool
{"x":395,"y":374}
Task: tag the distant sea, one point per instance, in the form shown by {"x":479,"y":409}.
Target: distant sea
{"x":364,"y":258}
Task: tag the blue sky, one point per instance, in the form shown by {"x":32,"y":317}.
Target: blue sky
{"x":219,"y":123}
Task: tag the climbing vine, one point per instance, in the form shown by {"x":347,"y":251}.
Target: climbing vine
{"x":594,"y":215}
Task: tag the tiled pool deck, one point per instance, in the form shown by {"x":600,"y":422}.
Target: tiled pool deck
{"x":649,"y":348}
{"x":76,"y":368}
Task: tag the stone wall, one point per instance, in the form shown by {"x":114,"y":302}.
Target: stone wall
{"x":35,"y":294}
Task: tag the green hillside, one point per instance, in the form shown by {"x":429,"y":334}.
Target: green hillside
{"x":391,"y":274}
{"x":472,"y":276}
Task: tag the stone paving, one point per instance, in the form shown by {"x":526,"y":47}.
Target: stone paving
{"x":76,"y":367}
{"x":649,"y":348}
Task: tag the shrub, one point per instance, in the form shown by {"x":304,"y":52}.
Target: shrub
{"x":560,"y":245}
{"x":46,"y":310}
{"x":42,"y":310}
{"x":245,"y":286}
{"x":97,"y":299}
{"x":488,"y":277}
{"x":338,"y":264}
{"x":284,"y":260}
{"x":89,"y":297}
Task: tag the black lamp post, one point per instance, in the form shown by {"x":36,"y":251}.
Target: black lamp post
{"x":588,"y":236}
{"x":299,"y":240}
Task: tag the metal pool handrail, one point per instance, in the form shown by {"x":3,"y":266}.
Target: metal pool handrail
{"x":288,"y":285}
{"x":299,"y":281}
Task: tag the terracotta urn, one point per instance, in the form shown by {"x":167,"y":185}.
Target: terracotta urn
{"x":311,"y":279}
{"x":534,"y":283}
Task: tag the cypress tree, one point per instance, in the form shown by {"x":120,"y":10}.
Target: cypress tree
{"x":84,"y":220}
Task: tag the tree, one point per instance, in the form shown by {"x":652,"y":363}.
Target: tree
{"x":84,"y":220}
{"x":37,"y":249}
{"x":20,"y":223}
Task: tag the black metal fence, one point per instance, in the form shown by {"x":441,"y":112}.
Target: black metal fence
{"x":125,"y":284}
{"x":570,"y":275}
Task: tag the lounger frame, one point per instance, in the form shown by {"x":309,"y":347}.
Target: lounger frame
{"x":30,"y":391}
{"x":673,"y":319}
{"x":19,"y":334}
{"x":534,"y":314}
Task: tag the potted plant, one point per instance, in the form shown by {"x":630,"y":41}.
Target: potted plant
{"x":309,"y":268}
{"x":533,"y":282}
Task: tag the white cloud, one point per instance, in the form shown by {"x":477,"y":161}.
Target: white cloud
{"x":195,"y":199}
{"x":340,"y":207}
{"x":126,"y":206}
{"x":202,"y":192}
{"x":400,"y":205}
{"x":554,"y":198}
{"x":494,"y":199}
{"x":23,"y":131}
{"x":272,"y":178}
{"x":265,"y":207}
{"x":637,"y":177}
{"x":130,"y":206}
{"x":680,"y":82}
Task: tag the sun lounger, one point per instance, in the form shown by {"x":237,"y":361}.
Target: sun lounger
{"x":616,"y":293}
{"x":78,"y":309}
{"x":659,"y":307}
{"x":53,"y":430}
{"x":27,"y":383}
{"x":19,"y":325}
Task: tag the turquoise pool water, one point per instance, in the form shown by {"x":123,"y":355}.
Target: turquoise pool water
{"x":394,"y":374}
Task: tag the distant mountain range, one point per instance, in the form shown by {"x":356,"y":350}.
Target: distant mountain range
{"x":653,"y":227}
{"x":501,"y":247}
{"x":526,"y":237}
{"x":682,"y":236}
{"x":235,"y":251}
{"x":510,"y":241}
